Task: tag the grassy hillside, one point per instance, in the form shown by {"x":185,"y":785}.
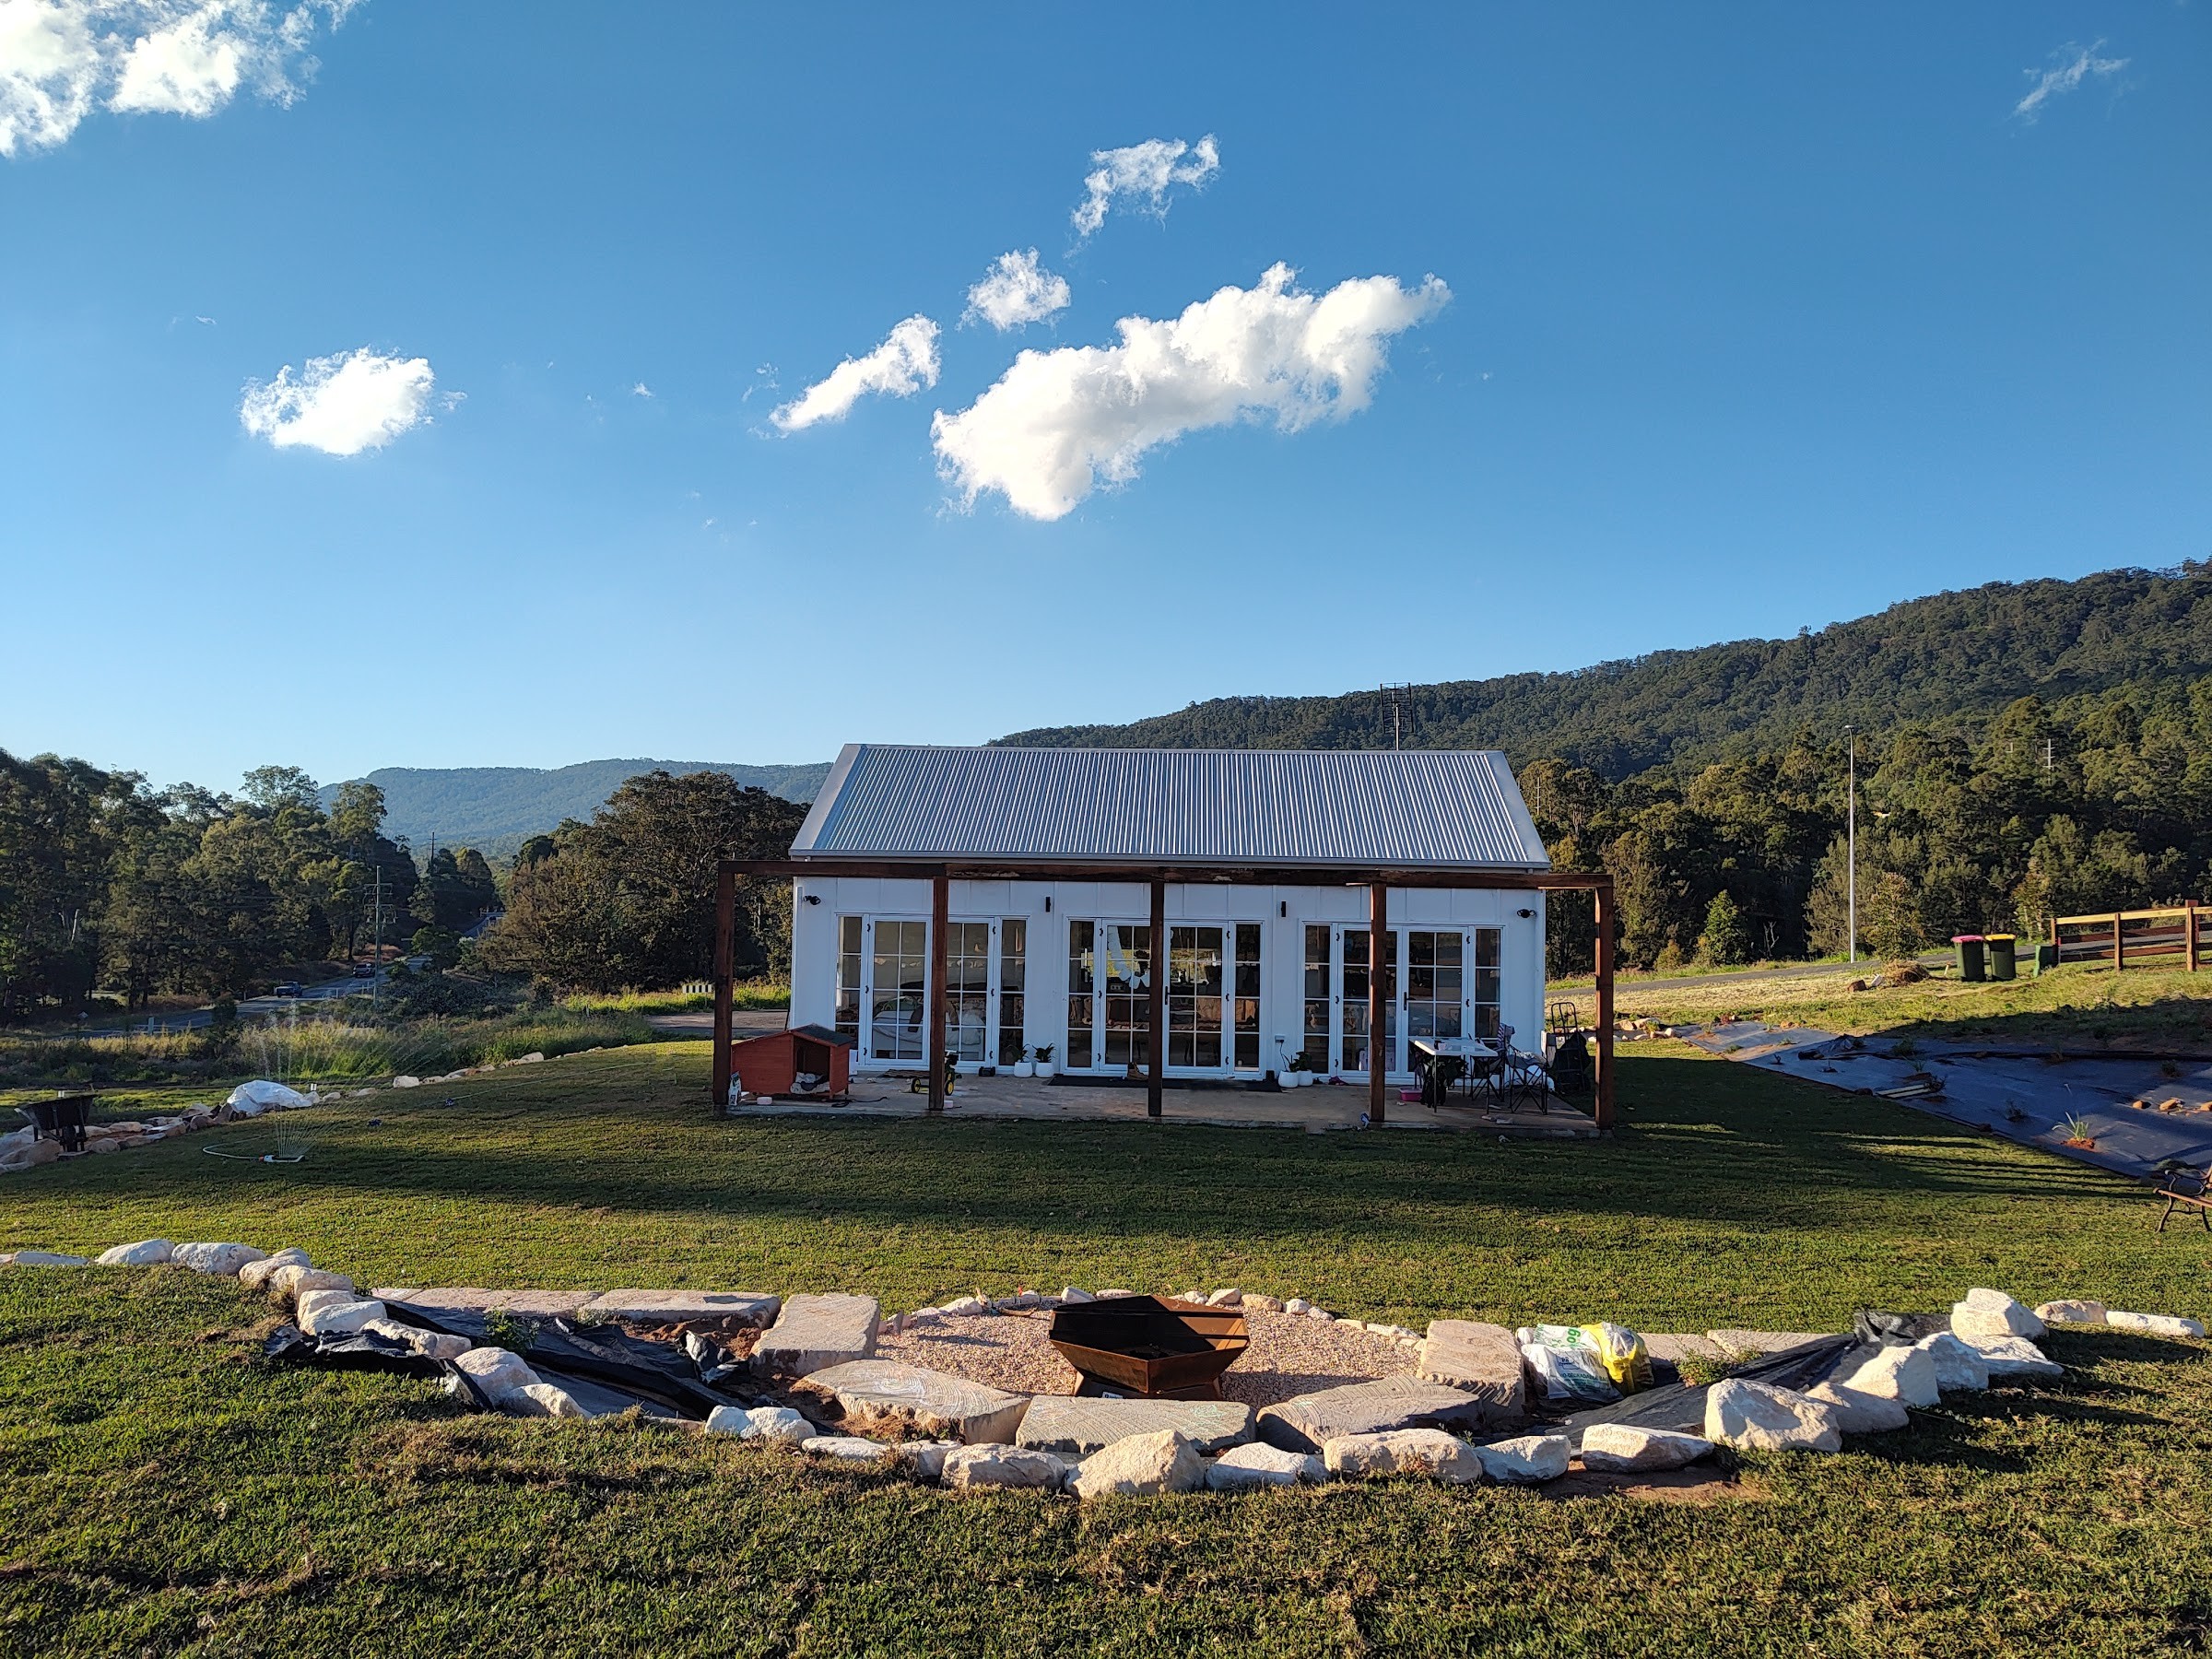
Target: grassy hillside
{"x":495,"y":808}
{"x":1966,"y":652}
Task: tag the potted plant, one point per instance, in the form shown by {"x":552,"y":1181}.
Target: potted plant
{"x":1045,"y":1060}
{"x":2074,"y":1132}
{"x":1300,"y":1073}
{"x":1027,"y":1066}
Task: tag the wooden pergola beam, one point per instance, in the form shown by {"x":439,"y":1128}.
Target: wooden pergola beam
{"x":1156,"y":1076}
{"x":940,"y":912}
{"x":1139,"y":874}
{"x":725,"y":929}
{"x":1378,"y":916}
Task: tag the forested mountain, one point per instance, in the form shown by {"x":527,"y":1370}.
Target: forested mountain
{"x":1925,"y":660}
{"x":495,"y":808}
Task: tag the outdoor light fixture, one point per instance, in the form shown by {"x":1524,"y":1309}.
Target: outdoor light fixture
{"x":1525,"y":915}
{"x":814,"y":897}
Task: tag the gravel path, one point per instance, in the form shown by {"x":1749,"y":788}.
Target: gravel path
{"x":1289,"y":1355}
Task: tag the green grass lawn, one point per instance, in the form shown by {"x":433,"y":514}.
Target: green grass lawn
{"x":160,"y":1490}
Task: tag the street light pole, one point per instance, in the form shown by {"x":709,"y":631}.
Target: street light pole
{"x":1850,"y":819}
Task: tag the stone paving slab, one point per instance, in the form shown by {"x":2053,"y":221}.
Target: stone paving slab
{"x":1765,"y":1342}
{"x":1482,"y":1359}
{"x":885,"y":1396}
{"x":1077,"y":1427}
{"x":686,"y":1307}
{"x":815,"y":1331}
{"x":1309,"y":1422}
{"x":475,"y":1299}
{"x":1677,"y":1345}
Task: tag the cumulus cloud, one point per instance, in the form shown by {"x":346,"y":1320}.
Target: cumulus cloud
{"x":2072,"y":65}
{"x":1143,"y":173}
{"x":901,"y":366}
{"x":1016,"y":292}
{"x":61,"y":59}
{"x":641,"y":390}
{"x":1059,"y":422}
{"x":341,"y":405}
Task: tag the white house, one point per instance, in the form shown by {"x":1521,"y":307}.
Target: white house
{"x":1262,"y":869}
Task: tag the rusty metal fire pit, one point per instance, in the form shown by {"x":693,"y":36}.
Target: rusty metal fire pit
{"x":1150,"y":1347}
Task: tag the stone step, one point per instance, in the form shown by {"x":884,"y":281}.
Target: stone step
{"x":1310,"y":1421}
{"x":814,"y":1332}
{"x":725,"y":1308}
{"x":1075,"y":1428}
{"x":912,"y":1402}
{"x":1481,"y":1359}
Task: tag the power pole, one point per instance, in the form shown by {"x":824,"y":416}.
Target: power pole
{"x":1850,"y":819}
{"x":376,"y":948}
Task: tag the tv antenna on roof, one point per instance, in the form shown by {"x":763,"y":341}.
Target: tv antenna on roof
{"x":1392,"y":692}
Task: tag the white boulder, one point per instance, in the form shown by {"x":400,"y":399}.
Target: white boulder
{"x":2155,"y":1324}
{"x":437,"y":1345}
{"x":1069,"y":1296}
{"x":1402,"y":1451}
{"x":30,"y":1156}
{"x":2015,"y":1357}
{"x":1298,"y":1304}
{"x":48,"y":1258}
{"x":1763,"y":1418}
{"x":970,"y":1467}
{"x":1992,"y":1313}
{"x":541,"y":1399}
{"x":2071,"y":1312}
{"x":1624,"y":1448}
{"x":1959,"y":1364}
{"x":255,"y":1276}
{"x":926,"y":1457}
{"x":1525,"y":1459}
{"x":1254,"y":1302}
{"x":146,"y":1252}
{"x":963,"y":1307}
{"x":498,"y":1371}
{"x":223,"y":1260}
{"x":1224,"y":1299}
{"x":1906,"y":1374}
{"x":1257,"y":1465}
{"x":266,"y":1096}
{"x":768,"y":1422}
{"x":293,"y":1281}
{"x":1140,"y":1465}
{"x":335,"y":1315}
{"x":846,"y":1448}
{"x":1858,"y":1412}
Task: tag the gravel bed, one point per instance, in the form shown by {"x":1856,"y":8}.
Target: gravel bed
{"x":1289,"y":1355}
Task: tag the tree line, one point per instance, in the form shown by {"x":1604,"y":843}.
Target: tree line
{"x":2099,"y":801}
{"x":108,"y":883}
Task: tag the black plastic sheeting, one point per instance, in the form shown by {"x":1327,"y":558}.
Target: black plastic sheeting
{"x":603,"y":1368}
{"x":1681,"y":1407}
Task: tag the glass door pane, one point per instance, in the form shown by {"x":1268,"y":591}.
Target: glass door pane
{"x":1315,"y":1040}
{"x":1354,"y":980}
{"x":1433,"y":984}
{"x":1196,"y":977}
{"x":1246,"y":1015}
{"x":1013,"y":958}
{"x":1124,"y":974}
{"x":967,"y":991}
{"x":1487,"y":986}
{"x":1082,"y":994}
{"x":899,"y":1003}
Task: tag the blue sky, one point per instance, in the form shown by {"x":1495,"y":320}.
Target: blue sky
{"x":1755,"y":320}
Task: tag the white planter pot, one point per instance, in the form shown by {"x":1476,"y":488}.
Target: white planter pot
{"x":1023,"y":1068}
{"x":1044,"y":1068}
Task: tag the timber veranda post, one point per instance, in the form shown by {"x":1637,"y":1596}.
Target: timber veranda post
{"x":1156,"y":1074}
{"x":940,"y":911}
{"x":726,"y":928}
{"x":1377,"y":1055}
{"x":2189,"y":933}
{"x":1603,"y":961}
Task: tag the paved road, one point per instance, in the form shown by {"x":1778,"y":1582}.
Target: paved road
{"x":192,"y":1019}
{"x":1690,"y":982}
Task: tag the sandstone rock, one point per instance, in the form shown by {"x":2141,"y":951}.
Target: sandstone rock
{"x":1224,"y":1299}
{"x":255,"y":1276}
{"x":292,"y":1281}
{"x":308,"y":1302}
{"x":1070,"y":1296}
{"x":1623,"y":1447}
{"x":974,"y":1467}
{"x":404,"y":1081}
{"x":1310,"y":1421}
{"x":965,"y":1307}
{"x":1024,"y":1298}
{"x":335,"y":1315}
{"x":1858,"y":1412}
{"x":1070,"y":1427}
{"x":48,"y":1258}
{"x":438,"y":1345}
{"x":779,"y":1423}
{"x":32,"y":1157}
{"x":1479,"y":1360}
{"x":1740,"y":1413}
{"x":496,"y":1370}
{"x":1959,"y":1365}
{"x":1258,"y":1466}
{"x":1255,"y":1303}
{"x":1525,"y":1460}
{"x":924,"y":1316}
{"x":1402,"y":1451}
{"x":1298,"y":1304}
{"x":1906,"y":1374}
{"x":1376,"y":1328}
{"x":2155,"y":1324}
{"x":814,"y":1333}
{"x":888,"y":1397}
{"x":927,"y":1458}
{"x":223,"y":1260}
{"x":2014,"y":1356}
{"x":541,"y":1399}
{"x":728,"y":1308}
{"x":145,"y":1253}
{"x":1992,"y":1313}
{"x":2071,"y":1312}
{"x":1763,"y":1342}
{"x":846,"y":1448}
{"x":734,"y":1421}
{"x":1319,"y":1314}
{"x":1141,"y":1466}
{"x":268,"y":1097}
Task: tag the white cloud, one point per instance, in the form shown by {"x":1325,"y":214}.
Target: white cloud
{"x":1016,"y":292}
{"x":2075,"y":64}
{"x":59,"y":59}
{"x":641,"y":390}
{"x":902,"y":365}
{"x":1144,"y":172}
{"x":341,"y":405}
{"x":1059,"y":422}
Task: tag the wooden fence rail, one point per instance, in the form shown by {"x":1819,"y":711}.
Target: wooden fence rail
{"x":2135,"y":937}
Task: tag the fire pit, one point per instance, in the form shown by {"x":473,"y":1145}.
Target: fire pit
{"x":1150,"y":1346}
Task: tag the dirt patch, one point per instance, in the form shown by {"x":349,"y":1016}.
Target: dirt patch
{"x":1700,"y":1484}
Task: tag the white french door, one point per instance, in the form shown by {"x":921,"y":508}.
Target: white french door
{"x":1438,"y":982}
{"x":883,"y":989}
{"x":1212,"y":993}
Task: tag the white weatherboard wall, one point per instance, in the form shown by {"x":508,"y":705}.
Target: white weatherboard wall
{"x":819,"y":901}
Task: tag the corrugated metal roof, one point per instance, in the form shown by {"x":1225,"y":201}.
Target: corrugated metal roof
{"x":1352,"y":806}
